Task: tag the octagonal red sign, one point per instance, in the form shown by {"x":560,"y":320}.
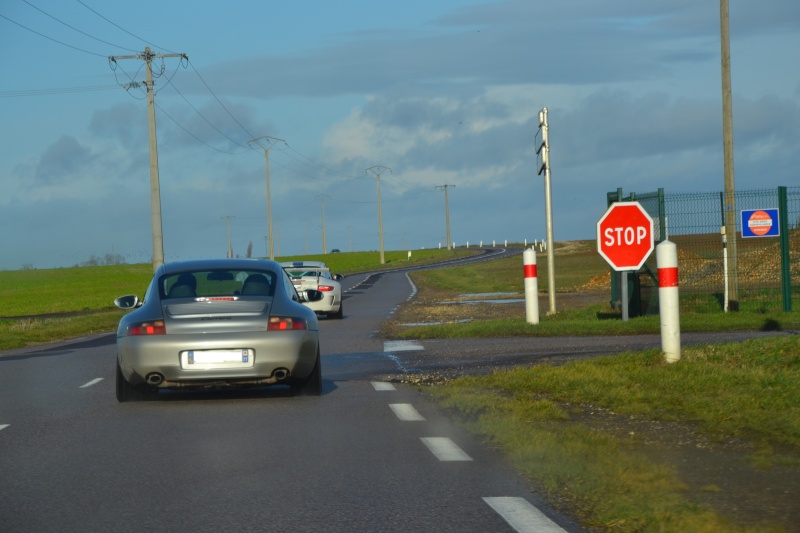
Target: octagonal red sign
{"x":625,"y":236}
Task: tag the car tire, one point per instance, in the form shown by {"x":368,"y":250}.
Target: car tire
{"x":312,"y":385}
{"x":132,"y":393}
{"x":339,"y":314}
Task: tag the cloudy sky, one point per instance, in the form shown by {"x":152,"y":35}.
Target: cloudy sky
{"x":442,"y":93}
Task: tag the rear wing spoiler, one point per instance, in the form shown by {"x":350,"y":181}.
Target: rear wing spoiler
{"x":305,"y":271}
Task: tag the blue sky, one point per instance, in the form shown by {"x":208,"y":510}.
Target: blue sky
{"x":443,"y":93}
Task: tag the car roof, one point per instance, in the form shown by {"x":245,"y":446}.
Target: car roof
{"x":217,"y":264}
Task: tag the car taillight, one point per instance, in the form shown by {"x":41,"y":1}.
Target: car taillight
{"x":156,"y":327}
{"x":286,"y":323}
{"x":324,"y":288}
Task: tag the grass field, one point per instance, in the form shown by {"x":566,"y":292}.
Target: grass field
{"x":40,"y":306}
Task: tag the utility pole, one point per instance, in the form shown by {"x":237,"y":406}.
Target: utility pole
{"x":269,"y":141}
{"x":324,"y":242}
{"x":376,"y":170}
{"x":727,"y":143}
{"x":305,"y":224}
{"x":446,"y":212}
{"x":227,"y":219}
{"x":544,"y":149}
{"x":155,"y":188}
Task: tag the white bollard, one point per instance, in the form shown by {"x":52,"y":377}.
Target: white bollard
{"x":531,"y":286}
{"x":667,"y":263}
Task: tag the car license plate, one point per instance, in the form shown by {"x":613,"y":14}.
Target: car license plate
{"x":204,"y":359}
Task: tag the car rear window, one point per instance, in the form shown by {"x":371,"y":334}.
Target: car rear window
{"x":210,"y":283}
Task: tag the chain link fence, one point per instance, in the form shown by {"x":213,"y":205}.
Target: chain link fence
{"x":766,"y":273}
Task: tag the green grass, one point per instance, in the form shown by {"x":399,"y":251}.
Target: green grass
{"x":34,"y":331}
{"x":575,"y":264}
{"x":40,"y":295}
{"x":600,"y":320}
{"x":69,"y":290}
{"x":748,"y":390}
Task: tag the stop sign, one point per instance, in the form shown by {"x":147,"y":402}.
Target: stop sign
{"x":625,"y":236}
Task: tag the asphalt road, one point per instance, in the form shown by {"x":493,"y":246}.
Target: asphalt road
{"x":370,"y":454}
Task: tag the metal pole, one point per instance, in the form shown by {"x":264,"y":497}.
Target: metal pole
{"x":376,"y":171}
{"x":269,"y":209}
{"x":446,"y":213}
{"x":155,"y":187}
{"x":548,"y":211}
{"x":447,"y":217}
{"x":324,"y":240}
{"x":727,"y":134}
{"x":270,"y":141}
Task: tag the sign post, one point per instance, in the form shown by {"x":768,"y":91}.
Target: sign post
{"x":625,"y":240}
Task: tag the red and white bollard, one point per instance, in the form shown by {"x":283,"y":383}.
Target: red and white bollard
{"x":531,"y":287}
{"x":667,"y":262}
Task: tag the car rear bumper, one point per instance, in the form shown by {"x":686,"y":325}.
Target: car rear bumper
{"x":159,"y":356}
{"x":331,"y":303}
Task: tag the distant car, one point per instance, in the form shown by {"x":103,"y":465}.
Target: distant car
{"x":335,"y":251}
{"x":217,"y":323}
{"x":316,"y":275}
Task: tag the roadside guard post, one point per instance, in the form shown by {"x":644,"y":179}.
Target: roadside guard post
{"x":531,"y":286}
{"x":667,"y":262}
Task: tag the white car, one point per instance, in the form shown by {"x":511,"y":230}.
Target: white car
{"x":316,"y":275}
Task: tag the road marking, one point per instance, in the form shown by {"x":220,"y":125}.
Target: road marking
{"x":444,"y":449}
{"x":523,"y":516}
{"x":406,"y":412}
{"x":401,"y":346}
{"x":382,"y":386}
{"x":4,"y":426}
{"x":95,"y":381}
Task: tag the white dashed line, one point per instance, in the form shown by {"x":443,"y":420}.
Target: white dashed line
{"x":406,"y":412}
{"x":402,"y":346}
{"x":522,"y":516}
{"x":4,"y":426}
{"x":444,"y":449}
{"x":382,"y":386}
{"x":95,"y":381}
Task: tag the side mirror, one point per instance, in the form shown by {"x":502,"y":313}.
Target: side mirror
{"x":338,"y":277}
{"x":311,"y":295}
{"x":130,"y":301}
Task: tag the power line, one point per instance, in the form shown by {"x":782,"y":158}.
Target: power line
{"x":57,"y":90}
{"x":220,"y":101}
{"x":76,"y":29}
{"x":123,"y":29}
{"x":51,"y":39}
{"x":195,"y":137}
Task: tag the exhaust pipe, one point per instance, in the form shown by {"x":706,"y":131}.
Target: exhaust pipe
{"x":154,"y":378}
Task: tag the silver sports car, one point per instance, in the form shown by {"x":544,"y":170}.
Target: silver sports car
{"x":217,"y":323}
